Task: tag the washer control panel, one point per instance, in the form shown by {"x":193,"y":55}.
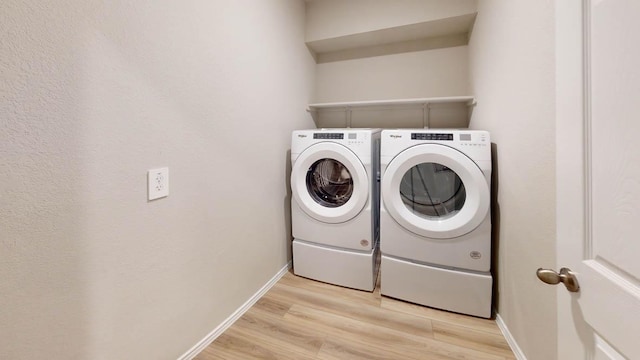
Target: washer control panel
{"x":332,"y":136}
{"x":352,"y":138}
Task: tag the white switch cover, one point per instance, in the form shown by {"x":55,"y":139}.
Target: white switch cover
{"x":158,"y":183}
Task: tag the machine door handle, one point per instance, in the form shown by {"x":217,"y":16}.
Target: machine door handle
{"x":566,"y":276}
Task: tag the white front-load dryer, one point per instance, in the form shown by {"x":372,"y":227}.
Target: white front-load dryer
{"x":435,"y":219}
{"x":335,"y":205}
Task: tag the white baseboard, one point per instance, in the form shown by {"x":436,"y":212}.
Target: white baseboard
{"x":197,"y":348}
{"x":510,"y":340}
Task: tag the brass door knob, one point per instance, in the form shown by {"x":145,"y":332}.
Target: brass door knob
{"x":566,"y":276}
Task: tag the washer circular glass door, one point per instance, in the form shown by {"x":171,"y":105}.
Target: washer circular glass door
{"x":435,"y":191}
{"x":329,"y":183}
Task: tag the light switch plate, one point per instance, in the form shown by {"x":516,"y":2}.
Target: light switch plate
{"x":158,"y":183}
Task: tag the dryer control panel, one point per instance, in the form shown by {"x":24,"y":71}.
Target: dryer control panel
{"x":473,"y":140}
{"x":432,"y":136}
{"x":476,"y":144}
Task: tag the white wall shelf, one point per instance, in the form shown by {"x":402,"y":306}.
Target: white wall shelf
{"x":468,"y":100}
{"x":433,"y":34}
{"x":437,"y":112}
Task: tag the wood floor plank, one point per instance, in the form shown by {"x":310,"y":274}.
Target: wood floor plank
{"x":440,"y":315}
{"x":233,"y":345}
{"x":350,"y":309}
{"x":210,"y":354}
{"x":269,"y":331}
{"x":277,"y":307}
{"x":363,"y":297}
{"x":304,"y":319}
{"x":339,"y":349}
{"x":474,"y":339}
{"x":382,"y":338}
{"x":358,"y":334}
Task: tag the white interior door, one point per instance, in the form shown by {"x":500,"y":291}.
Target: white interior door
{"x":598,"y":177}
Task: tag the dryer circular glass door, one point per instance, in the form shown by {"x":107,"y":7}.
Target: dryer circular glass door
{"x":329,"y":183}
{"x":435,"y":191}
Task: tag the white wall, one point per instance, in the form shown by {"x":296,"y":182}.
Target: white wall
{"x":333,"y":18}
{"x":511,"y":54}
{"x":93,"y":94}
{"x":431,"y":73}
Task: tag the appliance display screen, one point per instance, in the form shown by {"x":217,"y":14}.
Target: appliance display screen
{"x":465,"y":137}
{"x":328,"y":135}
{"x":431,"y":136}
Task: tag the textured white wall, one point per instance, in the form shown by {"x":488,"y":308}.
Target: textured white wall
{"x":512,"y":60}
{"x":333,"y":18}
{"x":431,"y":73}
{"x":92,"y":95}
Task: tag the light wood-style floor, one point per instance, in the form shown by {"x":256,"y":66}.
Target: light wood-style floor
{"x":300,"y":318}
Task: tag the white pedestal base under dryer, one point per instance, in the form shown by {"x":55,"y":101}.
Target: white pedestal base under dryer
{"x":458,"y":291}
{"x":435,"y":223}
{"x":335,"y":205}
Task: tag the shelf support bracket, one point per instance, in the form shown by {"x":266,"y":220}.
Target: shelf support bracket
{"x":347,"y":111}
{"x":426,"y":115}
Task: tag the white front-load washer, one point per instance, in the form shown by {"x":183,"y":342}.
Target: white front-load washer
{"x":335,"y":205}
{"x":435,"y":218}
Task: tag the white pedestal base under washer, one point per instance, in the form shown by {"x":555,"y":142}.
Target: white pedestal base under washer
{"x":335,"y":205}
{"x":435,"y":218}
